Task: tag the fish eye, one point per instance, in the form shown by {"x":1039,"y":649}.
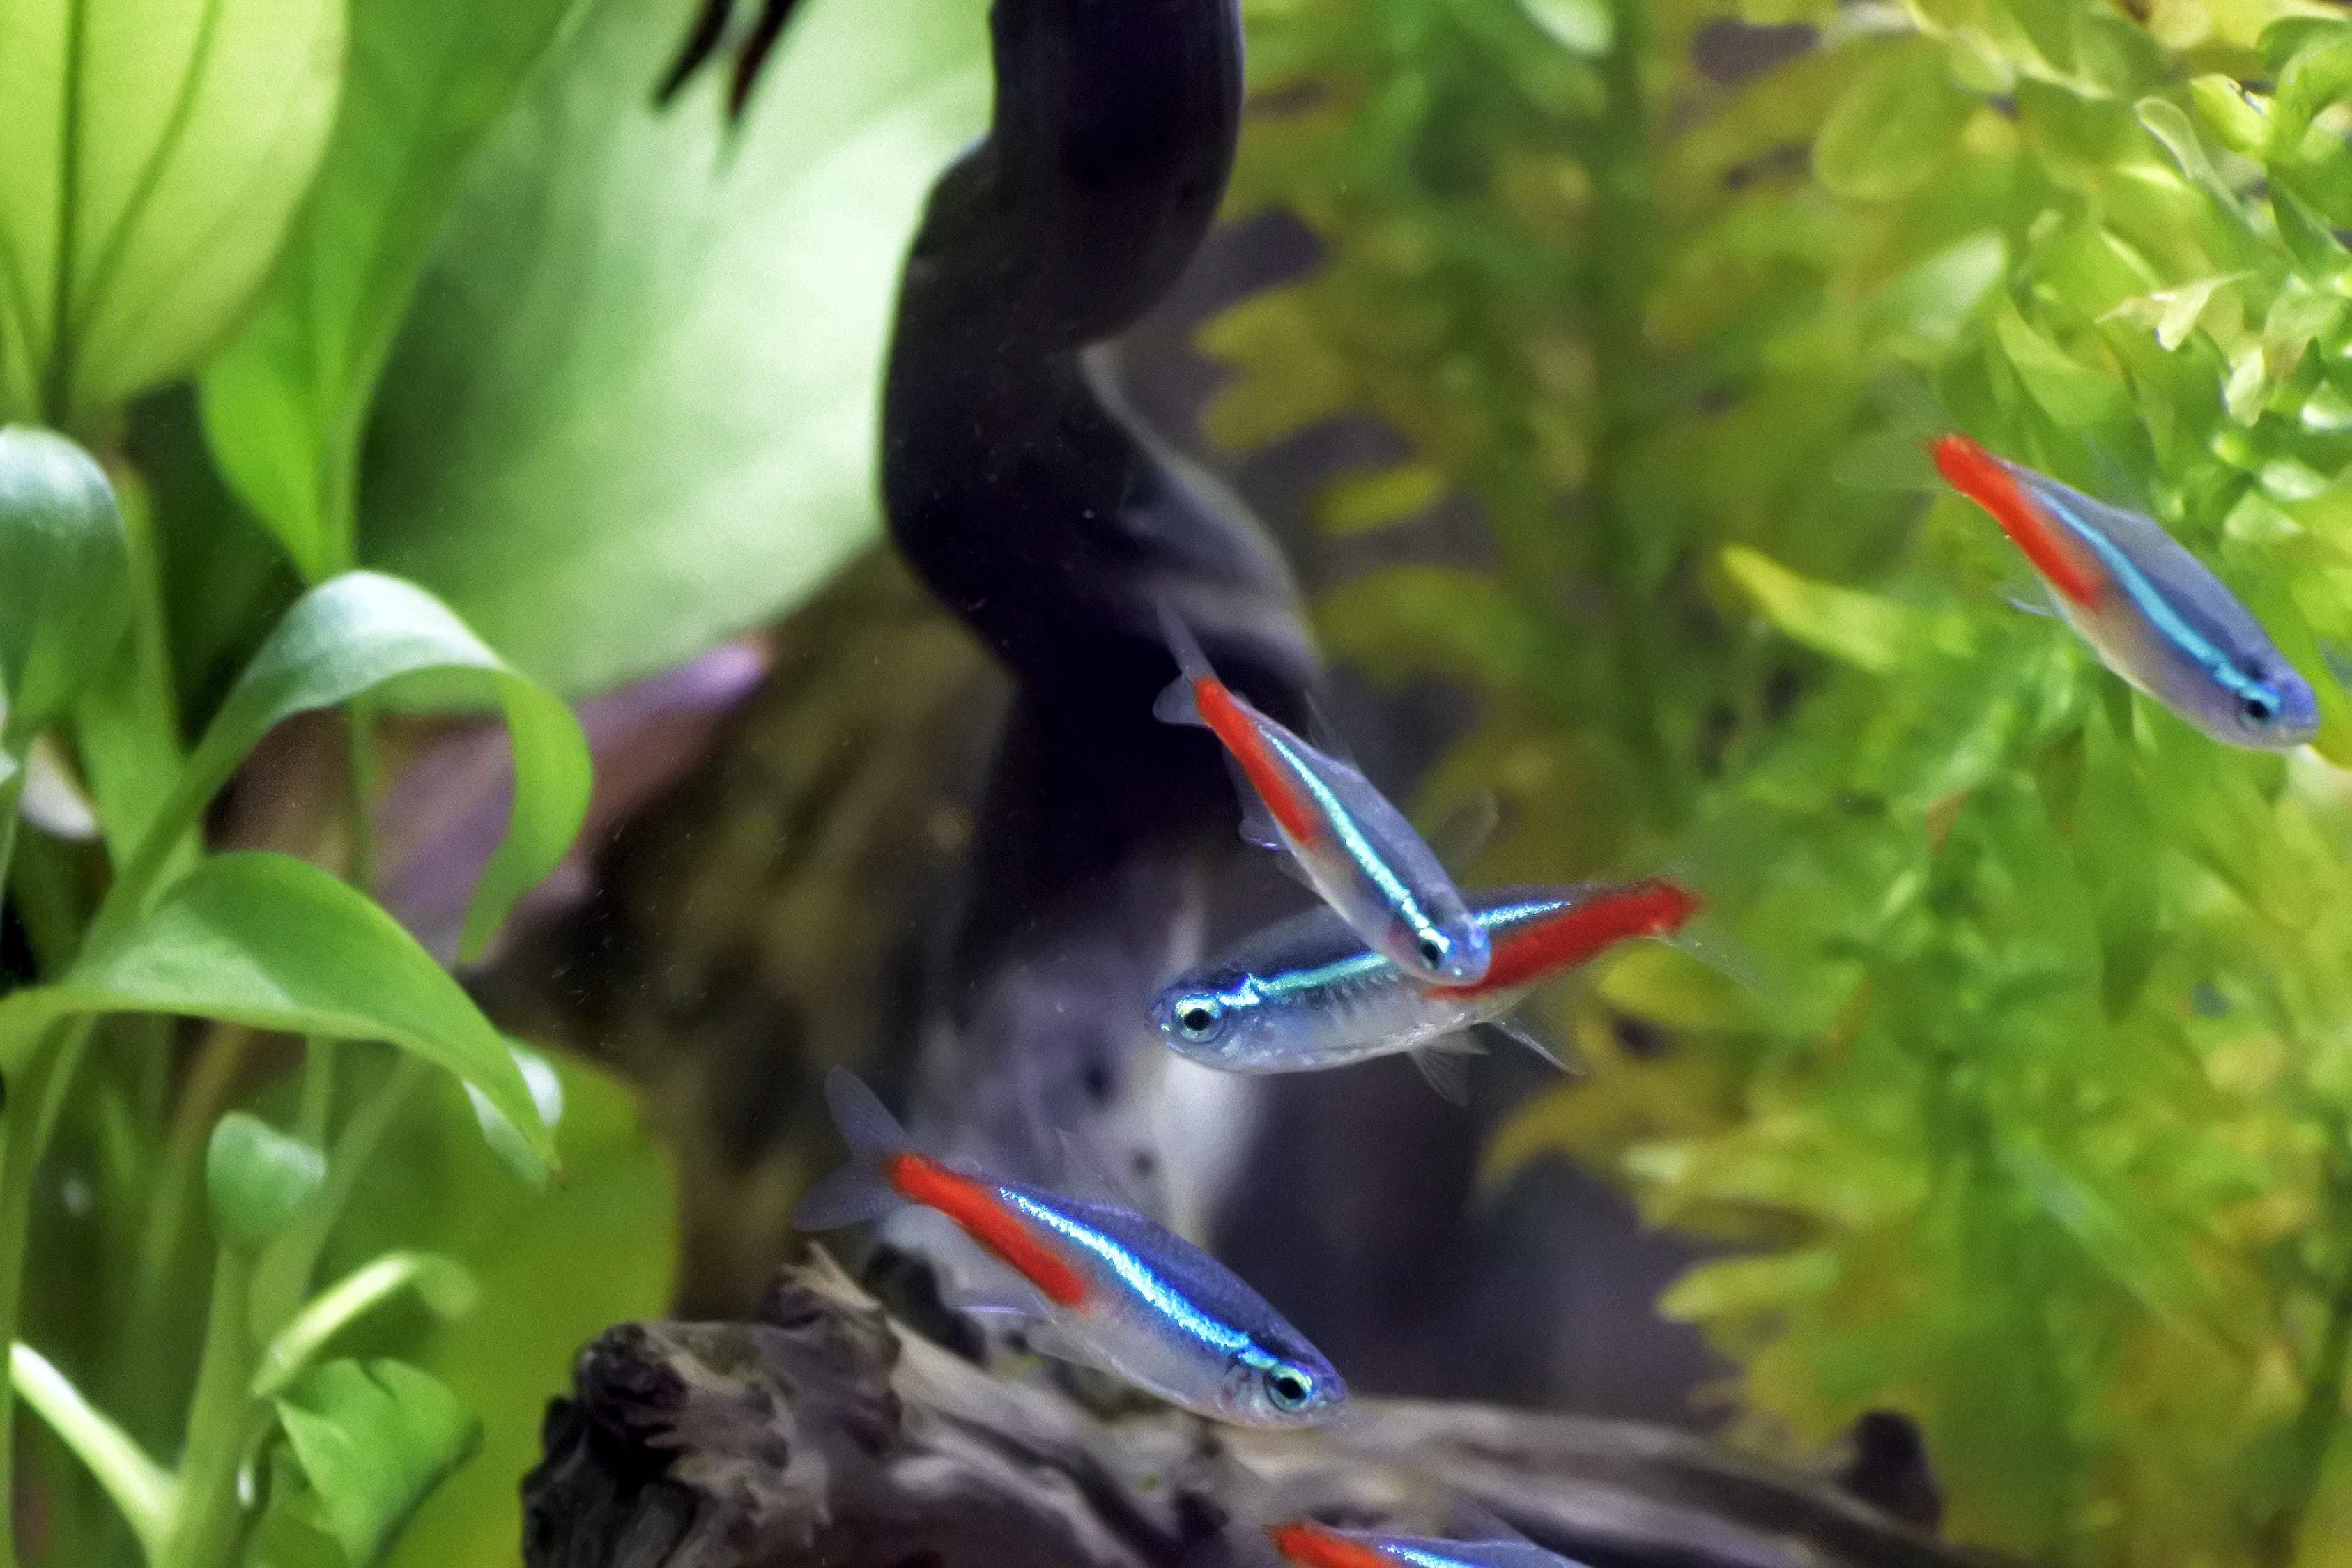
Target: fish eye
{"x":1198,"y":1017}
{"x":1434,"y":949}
{"x":1289,"y":1387}
{"x":2259,"y":707}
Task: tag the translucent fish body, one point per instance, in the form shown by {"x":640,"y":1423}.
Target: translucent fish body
{"x":2152,"y":611}
{"x":1351,"y":845}
{"x":1308,"y":993}
{"x":1106,"y":1285}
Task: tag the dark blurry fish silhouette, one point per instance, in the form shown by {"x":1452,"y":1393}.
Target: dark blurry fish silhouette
{"x":1351,"y":845}
{"x":1308,"y":993}
{"x":2154,"y":612}
{"x":1111,"y":1287}
{"x":1304,"y":1544}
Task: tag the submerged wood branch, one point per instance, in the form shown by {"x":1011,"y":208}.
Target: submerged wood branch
{"x":824,"y":1433}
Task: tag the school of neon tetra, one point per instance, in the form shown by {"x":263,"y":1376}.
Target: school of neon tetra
{"x":1394,"y":958}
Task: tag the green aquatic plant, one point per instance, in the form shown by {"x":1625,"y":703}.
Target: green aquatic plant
{"x":2037,"y":1124}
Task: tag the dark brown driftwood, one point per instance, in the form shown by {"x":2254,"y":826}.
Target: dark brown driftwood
{"x":821,"y":1433}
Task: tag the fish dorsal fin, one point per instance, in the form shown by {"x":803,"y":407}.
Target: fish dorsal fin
{"x":1086,"y":1176}
{"x":1465,"y":830}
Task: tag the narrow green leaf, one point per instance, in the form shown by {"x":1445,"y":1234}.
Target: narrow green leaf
{"x":635,"y":410}
{"x":2069,"y":391}
{"x":257,"y":1179}
{"x":285,"y":405}
{"x":1580,"y":26}
{"x":443,"y":1284}
{"x":156,"y":150}
{"x":277,"y":943}
{"x":145,"y":1492}
{"x":1858,"y":628}
{"x":65,"y":568}
{"x":363,"y":632}
{"x":2240,"y":117}
{"x":373,"y":1441}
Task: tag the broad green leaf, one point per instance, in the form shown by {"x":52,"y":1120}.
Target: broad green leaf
{"x":444,"y":1285}
{"x":155,"y":151}
{"x":1890,"y":131}
{"x":373,"y":1441}
{"x":286,"y":404}
{"x":364,"y":632}
{"x":2069,"y":391}
{"x":635,"y":410}
{"x":277,"y":943}
{"x":1860,"y":629}
{"x":2240,"y":117}
{"x":1379,"y":498}
{"x":257,"y":1178}
{"x":65,"y":568}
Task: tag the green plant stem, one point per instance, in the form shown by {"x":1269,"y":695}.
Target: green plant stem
{"x":205,"y":1094}
{"x":25,"y":1122}
{"x":210,"y":1517}
{"x":141,"y":1488}
{"x":2316,"y":1427}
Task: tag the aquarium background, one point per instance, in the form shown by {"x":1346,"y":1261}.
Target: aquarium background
{"x":1579,"y":353}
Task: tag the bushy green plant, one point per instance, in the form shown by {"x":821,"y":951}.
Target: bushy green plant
{"x":2035,"y":1126}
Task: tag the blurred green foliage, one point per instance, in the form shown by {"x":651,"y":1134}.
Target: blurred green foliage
{"x":2035,"y":1127}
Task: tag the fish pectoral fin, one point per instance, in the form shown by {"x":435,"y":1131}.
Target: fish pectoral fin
{"x":1085,"y":1175}
{"x":1445,"y":1065}
{"x":1517,"y":1031}
{"x":2033,"y":598}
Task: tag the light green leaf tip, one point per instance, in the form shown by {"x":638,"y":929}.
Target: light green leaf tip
{"x":65,"y":568}
{"x":1858,"y":628}
{"x":259,"y":1179}
{"x":373,"y":1442}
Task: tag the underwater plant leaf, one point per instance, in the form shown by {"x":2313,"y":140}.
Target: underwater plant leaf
{"x":1887,"y":132}
{"x":635,"y":409}
{"x":1863,"y":630}
{"x":156,"y":150}
{"x":285,"y":402}
{"x":372,"y":1439}
{"x":259,"y":1179}
{"x":366,"y":632}
{"x":66,"y":560}
{"x":274,"y":942}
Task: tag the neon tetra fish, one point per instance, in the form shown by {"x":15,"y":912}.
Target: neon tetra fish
{"x":1304,"y":1544}
{"x":1111,"y":1289}
{"x":2155,"y":614}
{"x":1355,"y":849}
{"x":1307,"y":994}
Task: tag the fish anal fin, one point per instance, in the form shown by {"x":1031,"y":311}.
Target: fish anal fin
{"x":2064,"y":563}
{"x":1258,"y":825}
{"x":1444,"y":1065}
{"x":1518,"y":1032}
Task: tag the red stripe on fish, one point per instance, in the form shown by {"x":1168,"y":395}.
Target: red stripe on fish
{"x":1312,"y":1546}
{"x":974,"y":1205}
{"x":1979,"y":476}
{"x":1577,"y":933}
{"x":1242,"y":736}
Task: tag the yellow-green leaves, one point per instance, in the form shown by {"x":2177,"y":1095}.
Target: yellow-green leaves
{"x":155,"y":151}
{"x":1865,"y":630}
{"x":286,"y":404}
{"x":64,"y":571}
{"x":1888,"y":133}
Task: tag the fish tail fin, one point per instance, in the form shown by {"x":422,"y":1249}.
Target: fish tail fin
{"x":860,"y":1191}
{"x":1179,"y":703}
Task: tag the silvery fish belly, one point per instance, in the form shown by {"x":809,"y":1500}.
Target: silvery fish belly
{"x":1307,"y":992}
{"x":2154,"y":612}
{"x":1169,"y":1318}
